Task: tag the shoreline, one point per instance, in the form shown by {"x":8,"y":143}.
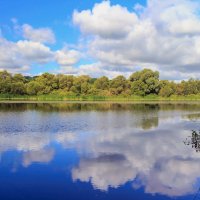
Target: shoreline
{"x":103,"y":101}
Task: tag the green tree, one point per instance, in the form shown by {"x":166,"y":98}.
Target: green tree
{"x":167,"y":88}
{"x":118,"y":85}
{"x":5,"y":82}
{"x":81,"y":85}
{"x":65,"y":82}
{"x":139,"y":88}
{"x":18,"y":88}
{"x":141,"y":83}
{"x":166,"y":91}
{"x":48,"y":82}
{"x":19,"y":78}
{"x":102,"y":83}
{"x":145,"y":82}
{"x":34,"y":88}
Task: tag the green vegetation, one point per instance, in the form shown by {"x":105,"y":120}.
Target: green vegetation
{"x":141,"y":85}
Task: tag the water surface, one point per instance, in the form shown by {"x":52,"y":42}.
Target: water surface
{"x":99,"y":151}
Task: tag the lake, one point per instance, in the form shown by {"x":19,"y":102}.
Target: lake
{"x":99,"y":151}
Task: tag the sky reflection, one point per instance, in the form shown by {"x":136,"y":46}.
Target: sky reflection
{"x":144,"y":148}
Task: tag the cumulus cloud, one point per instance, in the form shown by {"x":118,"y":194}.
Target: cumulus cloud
{"x":105,"y":21}
{"x":33,"y":49}
{"x":164,"y":34}
{"x":22,"y":54}
{"x":67,"y":57}
{"x":99,"y":69}
{"x":42,"y":35}
{"x":175,"y":16}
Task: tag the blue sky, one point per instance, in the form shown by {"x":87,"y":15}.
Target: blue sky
{"x":100,"y":37}
{"x":54,"y":14}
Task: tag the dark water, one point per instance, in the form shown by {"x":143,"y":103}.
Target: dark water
{"x":99,"y":151}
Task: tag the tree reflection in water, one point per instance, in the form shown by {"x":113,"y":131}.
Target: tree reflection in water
{"x":194,"y":140}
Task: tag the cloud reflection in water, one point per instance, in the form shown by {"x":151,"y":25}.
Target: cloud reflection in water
{"x":142,"y":147}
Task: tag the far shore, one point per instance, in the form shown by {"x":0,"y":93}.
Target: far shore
{"x":166,"y":101}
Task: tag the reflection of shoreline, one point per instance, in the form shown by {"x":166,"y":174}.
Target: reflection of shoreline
{"x":150,"y":118}
{"x":193,"y":116}
{"x":114,"y":147}
{"x":105,"y":106}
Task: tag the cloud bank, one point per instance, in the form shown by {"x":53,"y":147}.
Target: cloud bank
{"x":162,"y":35}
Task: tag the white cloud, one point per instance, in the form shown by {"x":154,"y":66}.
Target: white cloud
{"x":21,"y":55}
{"x":67,"y":57}
{"x":98,"y":23}
{"x":68,"y":70}
{"x":34,"y":51}
{"x":42,"y":35}
{"x":164,"y":34}
{"x":98,"y":70}
{"x":176,"y":16}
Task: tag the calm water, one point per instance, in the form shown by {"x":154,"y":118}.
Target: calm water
{"x":99,"y":151}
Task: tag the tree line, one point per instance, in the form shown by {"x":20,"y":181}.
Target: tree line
{"x":140,"y":83}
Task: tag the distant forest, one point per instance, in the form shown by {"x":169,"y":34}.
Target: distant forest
{"x":141,"y":83}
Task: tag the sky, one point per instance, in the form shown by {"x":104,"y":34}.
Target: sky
{"x":95,"y":37}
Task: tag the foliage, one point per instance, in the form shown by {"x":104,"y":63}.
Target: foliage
{"x":145,"y":84}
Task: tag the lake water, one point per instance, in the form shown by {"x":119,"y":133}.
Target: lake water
{"x":57,"y":151}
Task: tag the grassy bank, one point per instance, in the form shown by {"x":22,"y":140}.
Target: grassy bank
{"x":98,"y":98}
